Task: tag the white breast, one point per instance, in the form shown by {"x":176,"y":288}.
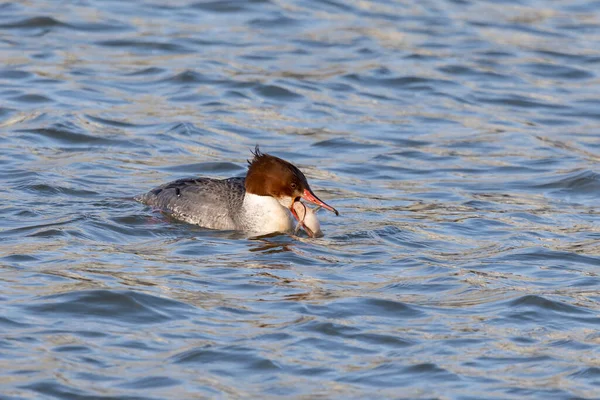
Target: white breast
{"x":264,"y":214}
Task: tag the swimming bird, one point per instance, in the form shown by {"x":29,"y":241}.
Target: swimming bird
{"x":261,"y":203}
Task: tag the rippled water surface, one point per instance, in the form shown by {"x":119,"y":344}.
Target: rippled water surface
{"x":460,"y":141}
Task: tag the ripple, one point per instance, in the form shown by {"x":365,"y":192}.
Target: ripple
{"x":9,"y":74}
{"x":586,"y":373}
{"x":35,"y":22}
{"x":278,"y":22}
{"x":116,"y":123}
{"x":229,"y":6}
{"x":116,"y":306}
{"x":274,"y":92}
{"x":379,"y":376}
{"x":145,"y":46}
{"x":46,"y":190}
{"x":62,"y":391}
{"x":151,"y":382}
{"x":558,"y":71}
{"x":208,"y":168}
{"x":364,"y":307}
{"x":540,"y":302}
{"x":8,"y":323}
{"x":404,"y":82}
{"x":147,"y":71}
{"x":578,"y":182}
{"x":31,"y":99}
{"x":343,"y":143}
{"x":382,"y":340}
{"x":50,"y":22}
{"x":187,"y":77}
{"x":520,"y":102}
{"x":472,"y":73}
{"x":69,"y":134}
{"x":205,"y":356}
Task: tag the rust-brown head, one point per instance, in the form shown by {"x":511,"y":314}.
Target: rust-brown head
{"x":271,"y":176}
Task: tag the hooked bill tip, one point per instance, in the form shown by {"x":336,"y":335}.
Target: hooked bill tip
{"x":309,"y":196}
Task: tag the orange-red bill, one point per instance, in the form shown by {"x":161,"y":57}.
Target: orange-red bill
{"x":308,"y":195}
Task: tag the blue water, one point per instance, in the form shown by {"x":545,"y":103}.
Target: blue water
{"x":460,"y":141}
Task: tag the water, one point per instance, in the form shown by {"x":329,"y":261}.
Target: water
{"x":459,"y":139}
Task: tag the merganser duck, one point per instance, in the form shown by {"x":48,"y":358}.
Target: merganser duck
{"x":260,"y":203}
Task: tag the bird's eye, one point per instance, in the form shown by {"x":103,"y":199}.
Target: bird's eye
{"x":294,"y":185}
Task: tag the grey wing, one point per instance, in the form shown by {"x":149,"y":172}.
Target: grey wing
{"x":202,"y":201}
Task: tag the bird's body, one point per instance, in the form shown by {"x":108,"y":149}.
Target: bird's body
{"x":260,"y":203}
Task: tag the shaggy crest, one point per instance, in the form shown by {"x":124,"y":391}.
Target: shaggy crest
{"x":256,"y":153}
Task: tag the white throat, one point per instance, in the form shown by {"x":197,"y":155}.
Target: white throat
{"x":265,"y":214}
